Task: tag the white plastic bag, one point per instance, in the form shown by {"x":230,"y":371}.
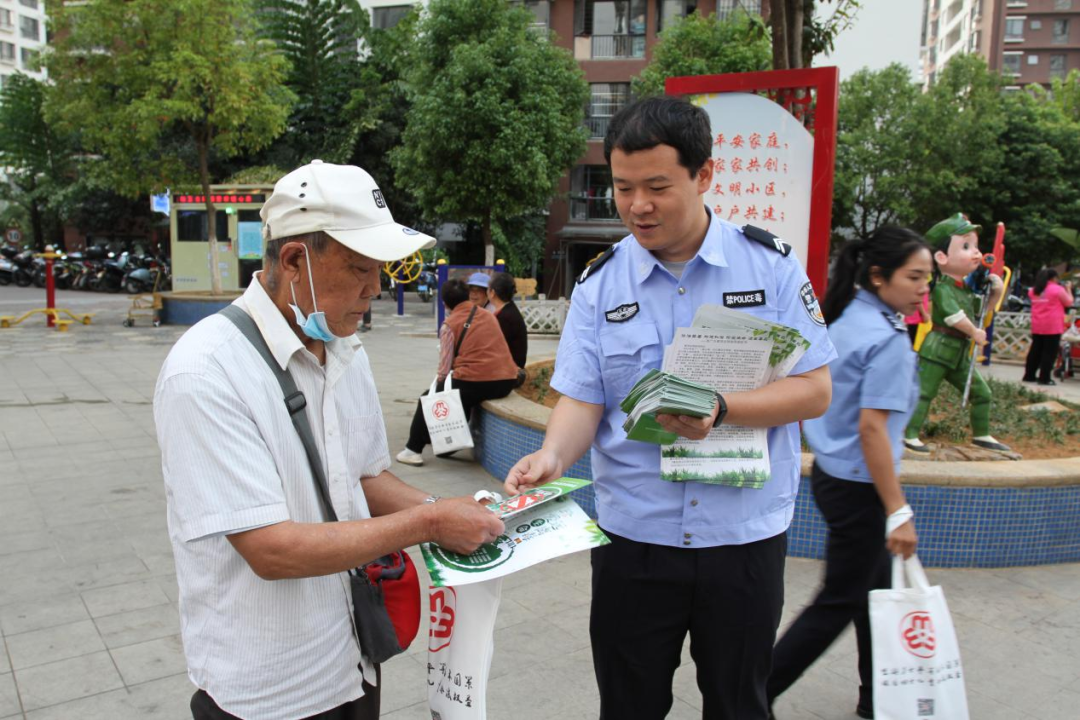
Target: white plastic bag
{"x":461,"y":642}
{"x":445,"y":418}
{"x":917,"y":670}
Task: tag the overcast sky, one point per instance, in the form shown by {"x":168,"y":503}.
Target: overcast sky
{"x":885,"y":31}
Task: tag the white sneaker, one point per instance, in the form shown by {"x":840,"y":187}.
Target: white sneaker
{"x":408,"y":457}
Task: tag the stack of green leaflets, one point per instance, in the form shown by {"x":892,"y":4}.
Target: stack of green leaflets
{"x":661,"y":392}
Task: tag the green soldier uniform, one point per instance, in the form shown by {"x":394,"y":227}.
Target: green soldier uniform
{"x":946,"y":355}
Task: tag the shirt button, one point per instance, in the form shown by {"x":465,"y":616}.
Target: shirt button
{"x":682,"y":291}
{"x":685,"y":542}
{"x":687,"y":536}
{"x":693,"y":503}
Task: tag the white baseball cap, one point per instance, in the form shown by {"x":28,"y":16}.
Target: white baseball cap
{"x":344,"y":202}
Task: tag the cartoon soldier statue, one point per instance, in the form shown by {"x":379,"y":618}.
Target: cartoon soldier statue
{"x":955,"y":307}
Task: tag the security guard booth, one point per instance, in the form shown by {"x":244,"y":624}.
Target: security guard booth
{"x":239,"y":236}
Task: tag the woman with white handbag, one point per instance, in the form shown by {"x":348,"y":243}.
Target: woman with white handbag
{"x":473,"y":349}
{"x":857,"y":447}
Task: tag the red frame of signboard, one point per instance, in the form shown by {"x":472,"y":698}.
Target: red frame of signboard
{"x":825,"y":82}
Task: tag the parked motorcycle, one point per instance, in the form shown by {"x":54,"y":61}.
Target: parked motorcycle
{"x":427,"y":285}
{"x":142,"y":275}
{"x":22,"y":265}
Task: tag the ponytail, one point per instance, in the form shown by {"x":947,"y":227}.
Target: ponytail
{"x":1043,"y":277}
{"x":888,"y":249}
{"x":842,"y":285}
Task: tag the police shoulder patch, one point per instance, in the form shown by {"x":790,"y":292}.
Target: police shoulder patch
{"x":595,"y":264}
{"x":811,"y":305}
{"x":896,"y":321}
{"x":767,"y":239}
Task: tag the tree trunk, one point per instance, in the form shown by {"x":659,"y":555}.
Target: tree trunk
{"x":778,"y":20}
{"x":489,"y":246}
{"x":203,"y":146}
{"x":794,"y":38}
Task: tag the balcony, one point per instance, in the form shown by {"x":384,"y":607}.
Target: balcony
{"x":592,"y":209}
{"x":617,"y":47}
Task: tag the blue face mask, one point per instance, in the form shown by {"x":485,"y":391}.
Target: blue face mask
{"x":314,"y":325}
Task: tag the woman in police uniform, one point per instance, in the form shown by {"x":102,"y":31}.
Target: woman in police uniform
{"x":857,"y":446}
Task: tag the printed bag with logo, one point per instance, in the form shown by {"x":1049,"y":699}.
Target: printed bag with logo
{"x":461,"y":642}
{"x":445,"y":418}
{"x":917,"y":669}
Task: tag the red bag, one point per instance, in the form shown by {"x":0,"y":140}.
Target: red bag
{"x":396,"y":580}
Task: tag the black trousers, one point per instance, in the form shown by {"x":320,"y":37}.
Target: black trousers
{"x":203,"y":706}
{"x":647,"y":597}
{"x":472,"y":394}
{"x":856,"y":562}
{"x":1041,"y":355}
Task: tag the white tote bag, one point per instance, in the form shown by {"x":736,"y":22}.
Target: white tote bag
{"x":445,"y":418}
{"x":461,"y":642}
{"x":917,"y":670}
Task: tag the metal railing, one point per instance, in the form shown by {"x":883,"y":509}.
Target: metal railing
{"x":605,"y":47}
{"x":597,"y":126}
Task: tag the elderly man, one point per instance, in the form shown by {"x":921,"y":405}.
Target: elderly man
{"x":265,"y":604}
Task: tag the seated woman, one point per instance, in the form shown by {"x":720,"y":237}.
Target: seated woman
{"x":472,"y":344}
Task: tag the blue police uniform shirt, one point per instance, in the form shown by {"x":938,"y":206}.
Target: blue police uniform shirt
{"x":620,"y":320}
{"x":875,"y":368}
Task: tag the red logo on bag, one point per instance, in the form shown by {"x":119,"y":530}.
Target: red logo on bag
{"x":440,"y":410}
{"x":917,"y":631}
{"x":443,"y":602}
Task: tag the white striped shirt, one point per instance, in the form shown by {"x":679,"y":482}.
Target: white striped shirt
{"x":233,"y":461}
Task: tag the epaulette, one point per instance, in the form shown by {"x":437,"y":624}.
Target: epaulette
{"x":767,"y":239}
{"x":896,"y":321}
{"x":595,"y":264}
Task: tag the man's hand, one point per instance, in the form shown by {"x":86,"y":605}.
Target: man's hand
{"x":693,"y":428}
{"x":979,"y":336}
{"x":532,"y":470}
{"x":462,"y":524}
{"x":902,"y":540}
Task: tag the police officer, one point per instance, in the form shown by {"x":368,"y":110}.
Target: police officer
{"x":857,"y":446}
{"x":684,"y":557}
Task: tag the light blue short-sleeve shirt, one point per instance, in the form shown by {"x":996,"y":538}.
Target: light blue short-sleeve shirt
{"x":875,"y":368}
{"x":620,"y":320}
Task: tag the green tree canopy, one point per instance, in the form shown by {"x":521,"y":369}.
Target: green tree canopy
{"x":155,"y":87}
{"x":698,"y":45}
{"x":320,"y":40}
{"x":36,"y":158}
{"x":497,"y":115}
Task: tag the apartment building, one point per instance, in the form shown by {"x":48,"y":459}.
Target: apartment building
{"x":22,"y":35}
{"x":1029,"y":41}
{"x":612,"y":41}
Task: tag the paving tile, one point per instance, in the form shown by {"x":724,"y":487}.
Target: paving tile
{"x":9,"y":696}
{"x":43,"y":613}
{"x":44,"y":584}
{"x":5,"y":664}
{"x":123,"y":598}
{"x":18,"y":542}
{"x":59,"y":642}
{"x":165,"y":699}
{"x":108,"y":573}
{"x":59,"y":682}
{"x":136,"y":626}
{"x":113,"y":705}
{"x":150,"y":660}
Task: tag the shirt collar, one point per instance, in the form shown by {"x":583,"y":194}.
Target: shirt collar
{"x":874,"y":301}
{"x":711,"y":251}
{"x":278,"y":333}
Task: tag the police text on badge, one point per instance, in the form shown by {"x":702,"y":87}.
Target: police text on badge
{"x":746,"y":298}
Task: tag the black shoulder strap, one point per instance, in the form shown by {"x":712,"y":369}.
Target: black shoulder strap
{"x":767,"y":239}
{"x":468,"y":324}
{"x":595,"y":264}
{"x":294,"y":400}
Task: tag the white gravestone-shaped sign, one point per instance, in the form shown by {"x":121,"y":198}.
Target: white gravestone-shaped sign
{"x":763,"y":161}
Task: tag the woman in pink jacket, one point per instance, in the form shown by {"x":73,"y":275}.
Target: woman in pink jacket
{"x":1048,"y":304}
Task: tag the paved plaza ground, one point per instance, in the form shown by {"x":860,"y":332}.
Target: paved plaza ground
{"x":88,"y":591}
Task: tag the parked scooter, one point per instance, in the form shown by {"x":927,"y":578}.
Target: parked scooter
{"x":7,"y":267}
{"x":427,"y":284}
{"x":22,"y":262}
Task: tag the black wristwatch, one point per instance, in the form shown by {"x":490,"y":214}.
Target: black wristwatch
{"x":722,"y":412}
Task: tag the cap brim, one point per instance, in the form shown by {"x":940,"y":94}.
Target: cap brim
{"x":385,"y":243}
